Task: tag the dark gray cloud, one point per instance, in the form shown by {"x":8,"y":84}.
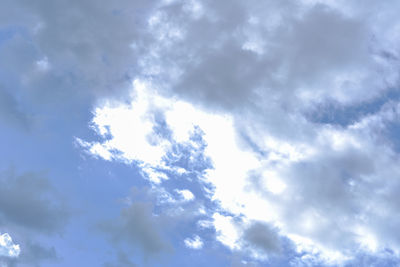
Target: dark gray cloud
{"x":262,"y":237}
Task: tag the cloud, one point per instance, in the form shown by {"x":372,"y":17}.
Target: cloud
{"x":250,"y":84}
{"x":256,"y":238}
{"x":227,"y":232}
{"x":32,"y":254}
{"x":305,"y":50}
{"x":67,"y":55}
{"x":7,"y":247}
{"x":138,"y":228}
{"x":29,"y":201}
{"x":152,"y":220}
{"x":94,"y":52}
{"x":293,"y":56}
{"x":308,"y":189}
{"x":30,"y":208}
{"x":185,"y":194}
{"x":262,"y":237}
{"x":194,"y":243}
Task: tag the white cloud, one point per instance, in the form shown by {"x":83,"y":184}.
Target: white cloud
{"x":254,"y":78}
{"x":227,"y":232}
{"x":329,"y":188}
{"x":194,"y":243}
{"x":298,"y":187}
{"x":7,"y":247}
{"x":273,"y":183}
{"x":185,"y":194}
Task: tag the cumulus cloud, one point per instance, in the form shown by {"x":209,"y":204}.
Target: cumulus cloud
{"x":227,"y":95}
{"x":253,"y":86}
{"x":315,"y":192}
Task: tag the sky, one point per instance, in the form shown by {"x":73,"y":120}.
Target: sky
{"x":199,"y":133}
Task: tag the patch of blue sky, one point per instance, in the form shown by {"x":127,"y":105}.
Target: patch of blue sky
{"x":8,"y":32}
{"x":393,"y":133}
{"x":92,"y":187}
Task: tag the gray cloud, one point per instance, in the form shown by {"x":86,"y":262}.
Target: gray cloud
{"x":338,"y":196}
{"x":304,"y":55}
{"x":30,"y":208}
{"x":29,"y":201}
{"x":262,"y":237}
{"x":267,"y":73}
{"x":138,"y":228}
{"x":304,"y":49}
{"x":66,"y":52}
{"x":266,"y":63}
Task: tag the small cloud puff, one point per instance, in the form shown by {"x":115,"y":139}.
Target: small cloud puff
{"x":194,"y":243}
{"x":185,"y":194}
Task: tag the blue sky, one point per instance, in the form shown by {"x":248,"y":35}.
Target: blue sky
{"x":199,"y":133}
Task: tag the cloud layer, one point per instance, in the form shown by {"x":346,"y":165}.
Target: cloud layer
{"x":275,"y":123}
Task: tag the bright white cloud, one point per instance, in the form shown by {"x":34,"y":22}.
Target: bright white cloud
{"x":7,"y":247}
{"x":227,"y":232}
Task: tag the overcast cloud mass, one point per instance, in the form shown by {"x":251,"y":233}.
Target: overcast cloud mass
{"x":199,"y":133}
